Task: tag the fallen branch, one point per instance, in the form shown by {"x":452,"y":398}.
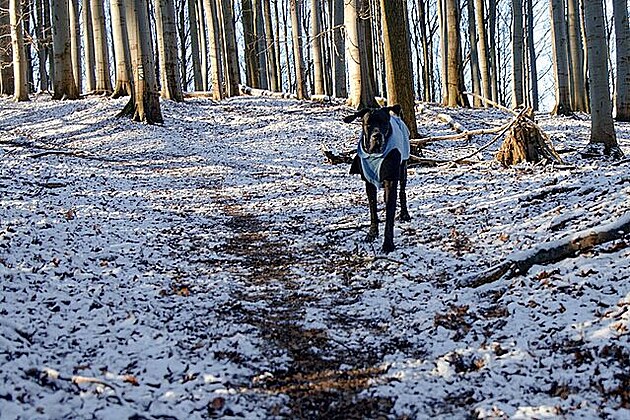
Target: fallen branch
{"x":492,"y":103}
{"x":519,"y":263}
{"x":463,"y":135}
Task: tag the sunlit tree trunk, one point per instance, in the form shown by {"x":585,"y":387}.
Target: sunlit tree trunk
{"x":203,"y":45}
{"x":492,"y":49}
{"x":602,"y":124}
{"x":121,"y":49}
{"x":88,"y":46}
{"x":298,"y":59}
{"x":101,"y":50}
{"x":64,"y":84}
{"x":214,"y":49}
{"x":622,"y":36}
{"x":474,"y":54}
{"x":318,"y":68}
{"x":484,"y":61}
{"x":579,"y":91}
{"x":517,"y":53}
{"x":560,"y":58}
{"x":20,"y":70}
{"x":360,"y":95}
{"x":75,"y":43}
{"x":144,"y":103}
{"x":453,"y":55}
{"x":251,"y":56}
{"x":261,"y":50}
{"x":167,"y":39}
{"x":339,"y":51}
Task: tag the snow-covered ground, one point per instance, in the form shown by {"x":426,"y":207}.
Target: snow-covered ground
{"x":215,"y":267}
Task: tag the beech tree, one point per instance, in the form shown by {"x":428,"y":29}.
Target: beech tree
{"x":170,"y":80}
{"x":64,"y":84}
{"x":20,"y":78}
{"x":622,"y":39}
{"x":6,"y":69}
{"x":122,"y":53}
{"x":560,"y":58}
{"x":602,"y":123}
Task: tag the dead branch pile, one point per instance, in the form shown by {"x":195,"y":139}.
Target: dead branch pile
{"x":526,"y":142}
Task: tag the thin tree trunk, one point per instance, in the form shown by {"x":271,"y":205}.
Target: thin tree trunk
{"x":6,"y":58}
{"x":339,"y":48}
{"x":261,"y":50}
{"x":517,"y":53}
{"x":297,"y":50}
{"x":277,"y":45}
{"x":316,"y":24}
{"x":251,"y":56}
{"x":214,"y":49}
{"x":474,"y":54}
{"x":285,"y":21}
{"x":492,"y":47}
{"x":560,"y":58}
{"x":533,"y":68}
{"x":231,"y":53}
{"x":203,"y":44}
{"x":453,"y":81}
{"x":194,"y":45}
{"x":579,"y":92}
{"x":602,"y":124}
{"x":20,"y":80}
{"x":88,"y":46}
{"x":622,"y":37}
{"x":484,"y":61}
{"x":272,"y":68}
{"x":122,"y":54}
{"x":101,"y":50}
{"x":75,"y":43}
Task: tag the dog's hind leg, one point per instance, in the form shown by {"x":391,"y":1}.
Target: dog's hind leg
{"x":370,"y":189}
{"x":391,"y":190}
{"x":404,"y":213}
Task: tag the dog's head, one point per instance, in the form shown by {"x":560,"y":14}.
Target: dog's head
{"x":376,"y":126}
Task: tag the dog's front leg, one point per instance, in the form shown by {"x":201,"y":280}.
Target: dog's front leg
{"x":404,"y":213}
{"x":370,"y":189}
{"x":391,"y":190}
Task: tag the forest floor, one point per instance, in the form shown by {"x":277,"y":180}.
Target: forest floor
{"x":214,"y":266}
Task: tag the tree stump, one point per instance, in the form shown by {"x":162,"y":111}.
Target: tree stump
{"x":526,"y":142}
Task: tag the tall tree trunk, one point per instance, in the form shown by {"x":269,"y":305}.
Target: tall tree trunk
{"x":101,"y":49}
{"x":602,"y":124}
{"x":272,"y":69}
{"x":144,"y":104}
{"x":285,"y":23}
{"x":492,"y":48}
{"x":531,"y":48}
{"x":427,"y":55}
{"x":316,"y":25}
{"x":453,"y":81}
{"x":484,"y":57}
{"x":88,"y":46}
{"x":443,"y":25}
{"x":297,"y":50}
{"x":6,"y":58}
{"x":20,"y":70}
{"x":64,"y":84}
{"x":194,"y":45}
{"x":169,"y":64}
{"x":261,"y":50}
{"x":251,"y":56}
{"x":560,"y":58}
{"x":277,"y":45}
{"x":214,"y":44}
{"x":579,"y":91}
{"x":231,"y":53}
{"x":361,"y":94}
{"x":397,"y":61}
{"x":622,"y":37}
{"x":203,"y":45}
{"x":121,"y":49}
{"x":338,"y":52}
{"x":517,"y":53}
{"x":75,"y":43}
{"x":475,"y":75}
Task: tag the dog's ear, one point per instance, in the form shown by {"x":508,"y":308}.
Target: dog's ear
{"x":396,"y":109}
{"x":358,"y":114}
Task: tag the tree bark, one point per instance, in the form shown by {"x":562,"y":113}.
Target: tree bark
{"x":453,"y":55}
{"x":560,"y":58}
{"x":602,"y":123}
{"x":531,"y":48}
{"x":88,"y":46}
{"x":20,"y":80}
{"x":169,"y":63}
{"x":121,"y":49}
{"x":75,"y":43}
{"x":517,"y":53}
{"x":339,"y":49}
{"x":272,"y":69}
{"x":194,"y":45}
{"x":579,"y":91}
{"x":6,"y":58}
{"x":232,"y":72}
{"x":261,"y":50}
{"x":622,"y":37}
{"x":318,"y":69}
{"x":484,"y":62}
{"x":397,"y":61}
{"x":297,"y":50}
{"x":475,"y":75}
{"x":101,"y":49}
{"x":64,"y":84}
{"x":251,"y":56}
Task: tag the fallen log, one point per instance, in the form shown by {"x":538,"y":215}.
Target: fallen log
{"x":519,"y":263}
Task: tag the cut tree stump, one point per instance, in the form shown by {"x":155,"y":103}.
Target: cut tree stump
{"x":526,"y":142}
{"x":519,"y":263}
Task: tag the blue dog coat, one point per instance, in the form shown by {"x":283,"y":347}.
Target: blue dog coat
{"x":371,"y":164}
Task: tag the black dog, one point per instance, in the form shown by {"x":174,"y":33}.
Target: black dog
{"x":381,"y":161}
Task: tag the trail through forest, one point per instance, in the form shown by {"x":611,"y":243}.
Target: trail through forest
{"x":215,"y":267}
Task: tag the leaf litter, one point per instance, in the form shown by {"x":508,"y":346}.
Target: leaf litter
{"x":215,"y":267}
